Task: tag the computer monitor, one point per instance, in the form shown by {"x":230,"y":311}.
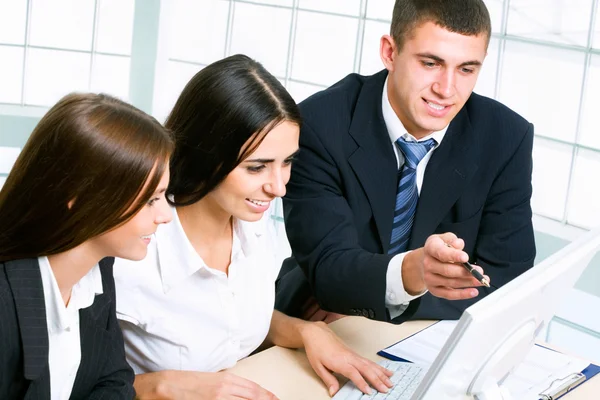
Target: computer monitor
{"x":495,"y":334}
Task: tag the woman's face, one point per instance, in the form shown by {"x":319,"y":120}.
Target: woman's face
{"x":130,"y":240}
{"x":248,"y":190}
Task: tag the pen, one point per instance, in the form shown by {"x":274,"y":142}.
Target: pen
{"x":476,"y":274}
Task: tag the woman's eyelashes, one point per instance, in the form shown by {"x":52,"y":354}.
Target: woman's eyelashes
{"x":260,"y":167}
{"x":256,"y":168}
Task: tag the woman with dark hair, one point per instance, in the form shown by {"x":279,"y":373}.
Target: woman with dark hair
{"x":88,"y":186}
{"x":204,"y":297}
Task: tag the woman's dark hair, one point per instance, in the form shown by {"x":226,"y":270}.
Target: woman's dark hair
{"x":91,"y":163}
{"x":220,"y":118}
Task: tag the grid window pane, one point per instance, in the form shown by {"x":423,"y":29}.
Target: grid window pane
{"x":11,"y":74}
{"x":585,"y":192}
{"x":495,"y":8}
{"x":282,"y":3}
{"x":51,"y":74}
{"x":333,"y":57}
{"x":596,"y":33}
{"x":347,"y":7}
{"x":74,"y":17}
{"x":177,"y":76}
{"x":551,"y":167}
{"x":531,"y":86}
{"x":486,"y":82}
{"x":8,"y":157}
{"x":380,"y":9}
{"x":115,"y":26}
{"x":262,"y":32}
{"x":589,"y":135}
{"x":370,"y":60}
{"x":301,"y":91}
{"x":197,"y":29}
{"x":13,"y":15}
{"x":565,"y":22}
{"x":110,"y":74}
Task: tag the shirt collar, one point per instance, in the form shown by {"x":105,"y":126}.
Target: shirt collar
{"x":396,"y":128}
{"x":178,"y":259}
{"x":82,"y":295}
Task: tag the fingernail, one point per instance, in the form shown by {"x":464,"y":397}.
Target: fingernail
{"x":331,"y":391}
{"x":474,"y":292}
{"x":367,"y":390}
{"x":389,"y":382}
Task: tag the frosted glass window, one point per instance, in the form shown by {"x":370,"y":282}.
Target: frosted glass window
{"x":530,"y":86}
{"x":115,"y":26}
{"x":263,"y":33}
{"x":486,"y":82}
{"x":197,"y":29}
{"x":551,"y":168}
{"x":283,"y":3}
{"x":495,"y":9}
{"x":65,"y":24}
{"x":110,"y":74}
{"x":51,"y":74}
{"x":348,"y":7}
{"x":11,"y":74}
{"x":371,"y":61}
{"x":596,"y":34}
{"x":585,"y":192}
{"x":301,"y":91}
{"x":590,"y":123}
{"x":177,"y":76}
{"x":558,"y":21}
{"x":380,"y":9}
{"x":13,"y":14}
{"x":324,"y":48}
{"x":8,"y":156}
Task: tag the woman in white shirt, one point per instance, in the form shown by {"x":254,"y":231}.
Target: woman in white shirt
{"x":204,"y":296}
{"x":88,"y":186}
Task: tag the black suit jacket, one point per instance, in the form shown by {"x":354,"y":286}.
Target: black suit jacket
{"x":24,"y":374}
{"x":341,"y":196}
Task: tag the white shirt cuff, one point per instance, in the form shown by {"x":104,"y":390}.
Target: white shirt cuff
{"x":396,"y":298}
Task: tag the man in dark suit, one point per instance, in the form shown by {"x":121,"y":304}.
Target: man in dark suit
{"x":406,"y":173}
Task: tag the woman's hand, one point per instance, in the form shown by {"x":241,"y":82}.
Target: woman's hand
{"x":188,"y":385}
{"x":327,"y":353}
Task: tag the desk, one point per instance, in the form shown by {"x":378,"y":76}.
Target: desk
{"x":289,"y":376}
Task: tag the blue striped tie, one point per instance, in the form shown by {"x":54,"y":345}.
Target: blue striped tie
{"x":407,"y":195}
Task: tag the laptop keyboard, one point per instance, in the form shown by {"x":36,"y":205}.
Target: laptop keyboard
{"x":406,"y":378}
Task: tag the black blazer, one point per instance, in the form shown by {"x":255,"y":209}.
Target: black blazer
{"x":340,"y":199}
{"x":24,"y":373}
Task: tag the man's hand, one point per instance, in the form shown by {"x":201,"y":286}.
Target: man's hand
{"x":311,"y":311}
{"x":326,"y":354}
{"x":436,"y":267}
{"x":191,"y":385}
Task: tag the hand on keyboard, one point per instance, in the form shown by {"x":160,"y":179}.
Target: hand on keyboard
{"x":406,"y":378}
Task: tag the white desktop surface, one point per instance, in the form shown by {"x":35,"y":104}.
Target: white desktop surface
{"x":289,"y":376}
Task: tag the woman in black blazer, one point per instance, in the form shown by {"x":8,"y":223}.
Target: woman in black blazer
{"x":88,"y":186}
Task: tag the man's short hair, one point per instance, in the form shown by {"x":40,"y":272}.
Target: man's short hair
{"x":467,"y":17}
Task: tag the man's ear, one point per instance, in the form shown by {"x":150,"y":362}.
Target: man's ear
{"x":387,"y":51}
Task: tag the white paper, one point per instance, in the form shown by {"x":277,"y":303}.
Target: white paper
{"x":538,"y":370}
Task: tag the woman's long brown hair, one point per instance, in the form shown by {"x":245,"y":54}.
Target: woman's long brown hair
{"x":80,"y":174}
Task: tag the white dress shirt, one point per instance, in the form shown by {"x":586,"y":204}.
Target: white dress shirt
{"x":178,"y":313}
{"x":64,"y":354}
{"x":396,"y":298}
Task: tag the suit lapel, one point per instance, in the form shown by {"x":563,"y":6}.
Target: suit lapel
{"x":26,"y":283}
{"x":375,"y":156}
{"x":449,"y":170}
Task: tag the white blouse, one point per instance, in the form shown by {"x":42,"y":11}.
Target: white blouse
{"x":64,"y":339}
{"x":178,"y":313}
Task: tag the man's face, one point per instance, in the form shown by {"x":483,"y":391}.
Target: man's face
{"x":432,"y":76}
